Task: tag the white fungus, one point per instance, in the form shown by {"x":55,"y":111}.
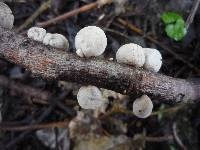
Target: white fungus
{"x":153,"y":59}
{"x":56,"y":40}
{"x":131,"y":54}
{"x":6,"y":16}
{"x":90,"y":41}
{"x":90,"y":97}
{"x":142,"y":107}
{"x":36,"y":33}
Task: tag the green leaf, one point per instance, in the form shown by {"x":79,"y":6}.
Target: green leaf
{"x":176,"y":31}
{"x":172,"y":147}
{"x":170,"y":17}
{"x":174,"y":25}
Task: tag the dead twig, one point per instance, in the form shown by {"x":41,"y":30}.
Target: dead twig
{"x":170,"y":110}
{"x":65,"y":16}
{"x":50,"y":63}
{"x":23,"y":89}
{"x":68,"y":14}
{"x":159,"y":139}
{"x":37,"y":96}
{"x":192,"y":13}
{"x":34,"y":126}
{"x":176,"y":137}
{"x":46,"y":5}
{"x":17,"y":139}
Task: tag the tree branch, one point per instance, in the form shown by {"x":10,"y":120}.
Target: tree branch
{"x":50,"y":63}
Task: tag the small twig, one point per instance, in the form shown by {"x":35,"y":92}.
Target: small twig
{"x":74,"y":12}
{"x":23,"y":89}
{"x":39,"y":120}
{"x":46,"y":5}
{"x":22,"y":135}
{"x":14,"y":1}
{"x":59,"y":104}
{"x":159,"y":139}
{"x":117,"y":33}
{"x":168,"y":110}
{"x":192,"y":13}
{"x":68,"y":14}
{"x":34,"y":126}
{"x":140,"y":32}
{"x":176,"y":137}
{"x":37,"y":96}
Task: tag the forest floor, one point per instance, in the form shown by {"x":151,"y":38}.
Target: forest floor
{"x":32,"y":119}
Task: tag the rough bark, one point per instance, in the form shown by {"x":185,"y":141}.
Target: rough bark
{"x":50,"y":63}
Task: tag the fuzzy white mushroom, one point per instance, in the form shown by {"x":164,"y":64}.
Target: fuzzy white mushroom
{"x":90,"y":97}
{"x":6,"y":16}
{"x":131,"y":54}
{"x":153,"y":59}
{"x":142,"y":107}
{"x":56,"y":40}
{"x":36,"y":33}
{"x":90,"y":41}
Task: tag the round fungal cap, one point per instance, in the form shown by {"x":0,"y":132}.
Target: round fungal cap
{"x":131,"y":54}
{"x":90,"y":41}
{"x":142,"y":107}
{"x":36,"y":33}
{"x":153,"y":59}
{"x":6,"y":16}
{"x":56,"y":40}
{"x":90,"y":97}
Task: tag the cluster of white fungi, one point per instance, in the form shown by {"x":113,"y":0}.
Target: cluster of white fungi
{"x":91,"y":41}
